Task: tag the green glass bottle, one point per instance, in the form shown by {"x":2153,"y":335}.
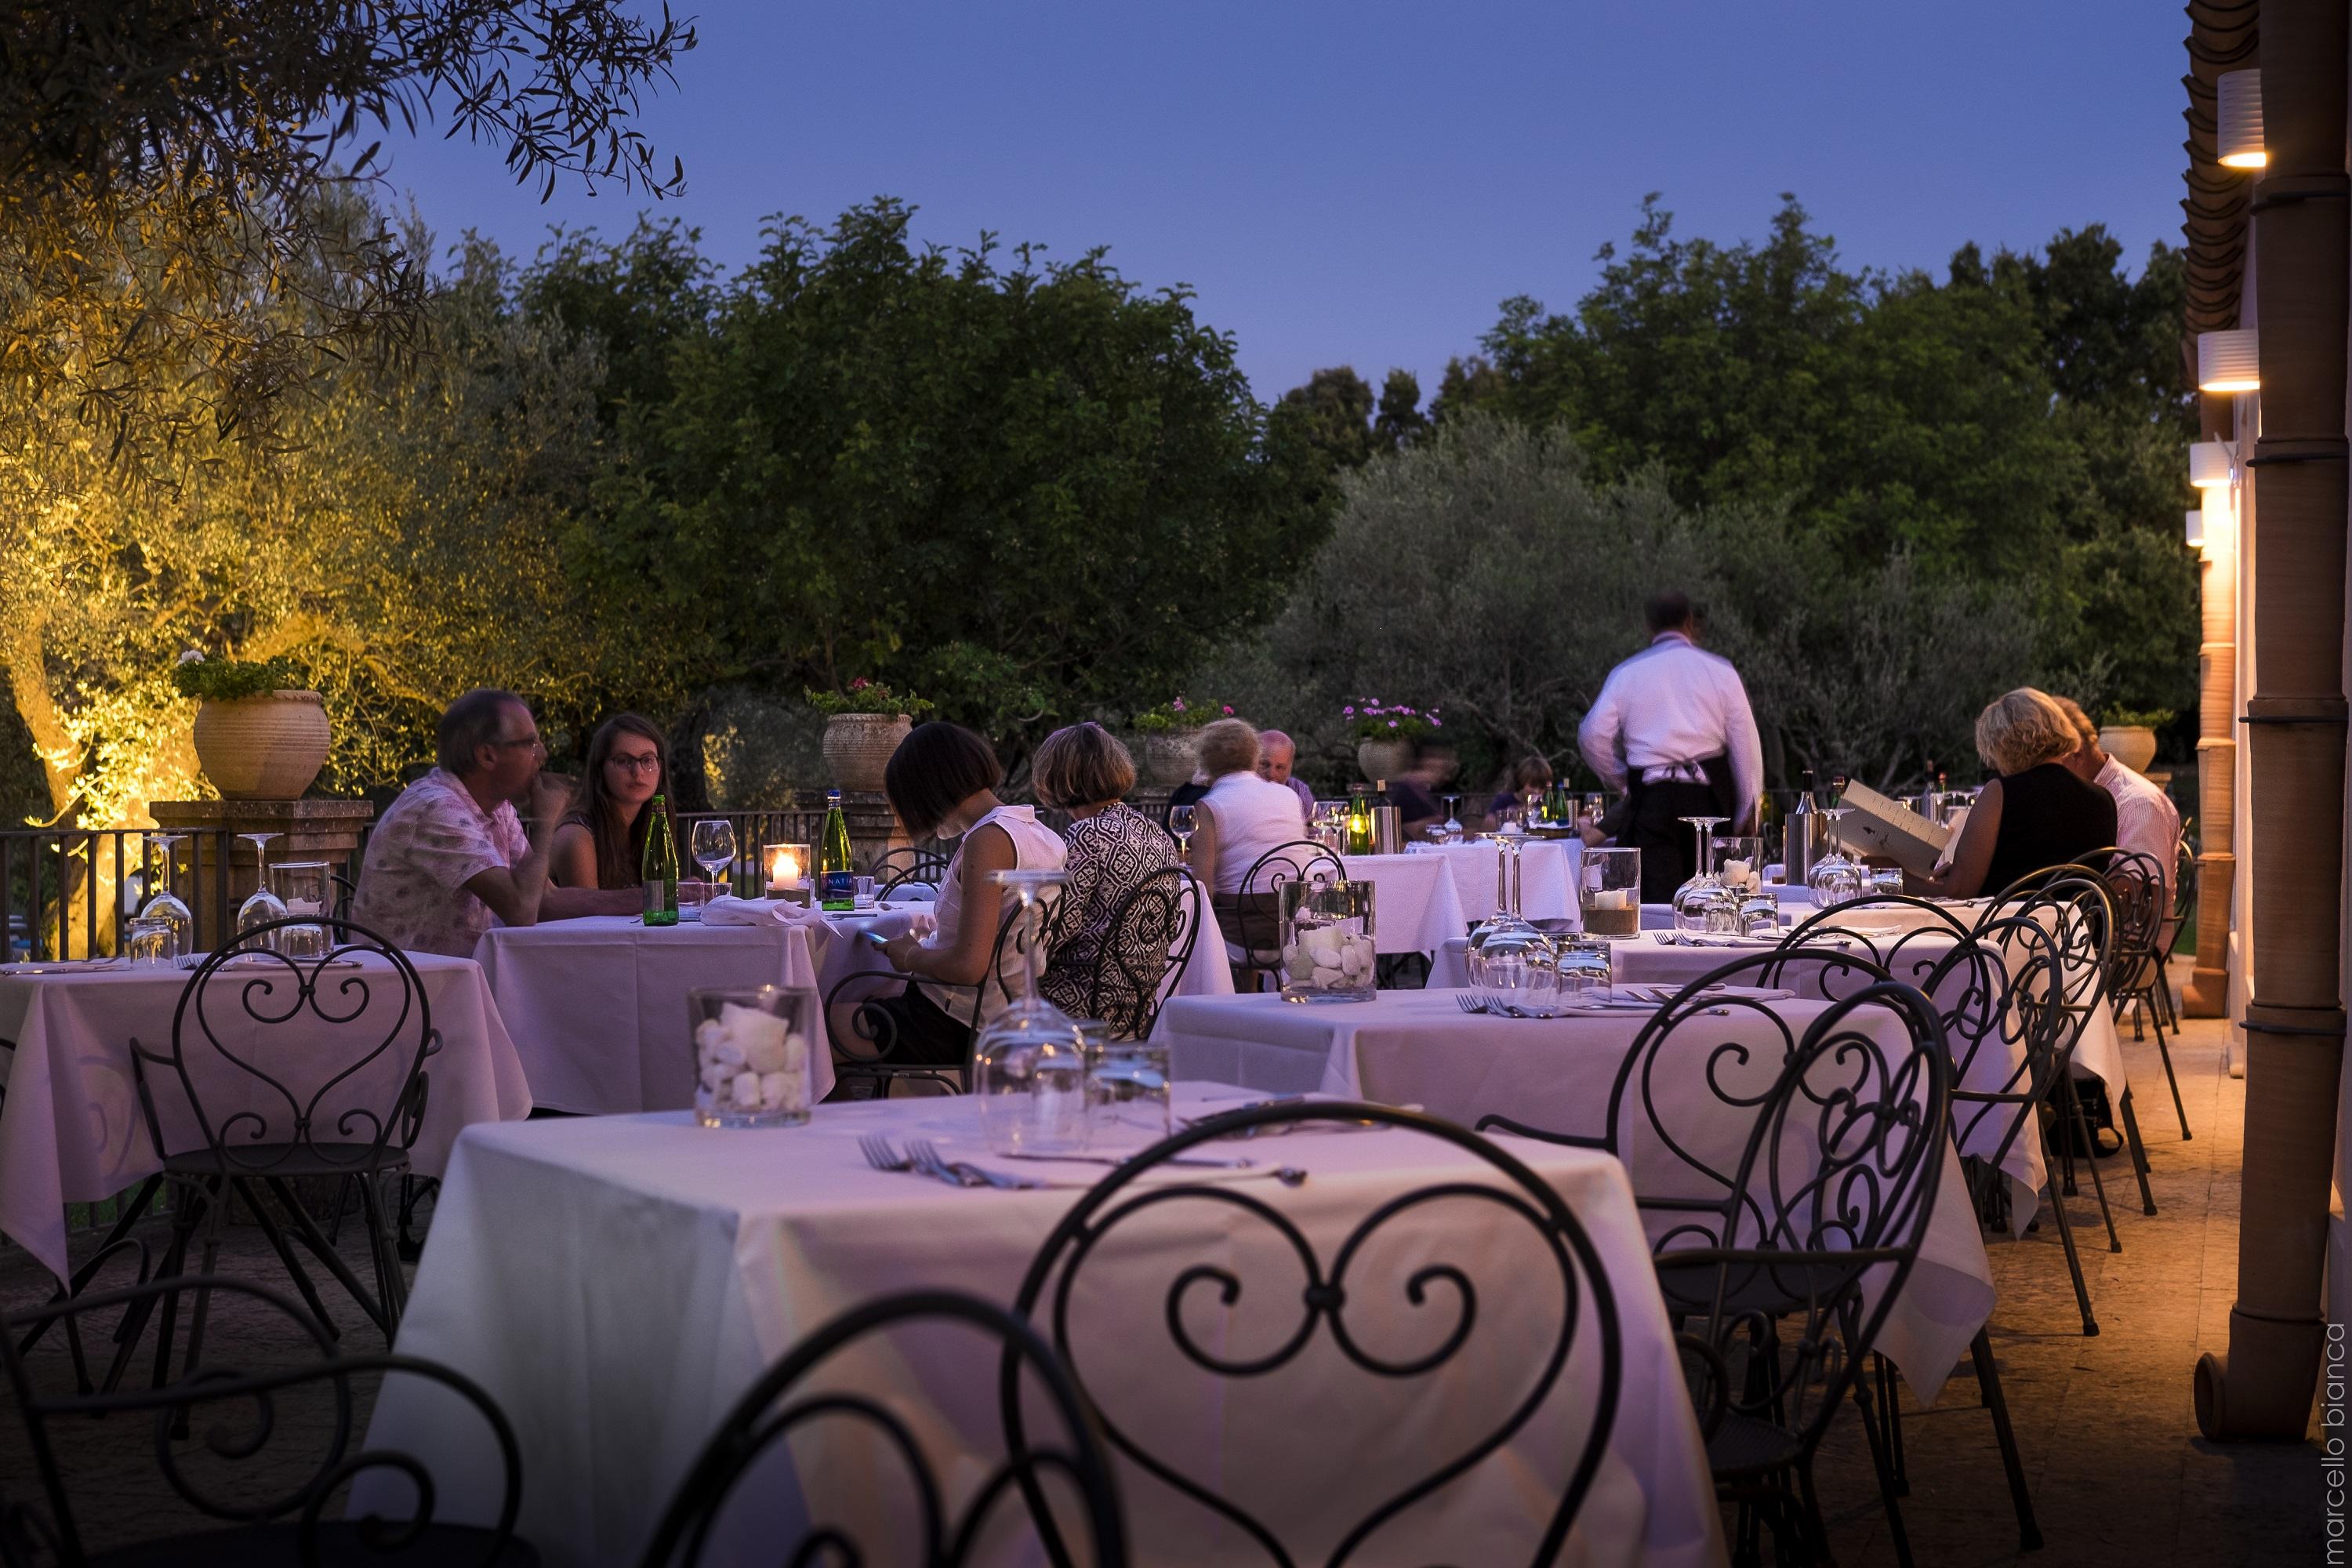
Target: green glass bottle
{"x":836,"y":884}
{"x":659,"y":870}
{"x":1557,"y":811}
{"x":1359,"y":823}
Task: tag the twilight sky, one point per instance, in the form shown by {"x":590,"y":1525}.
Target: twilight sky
{"x":1363,"y":182}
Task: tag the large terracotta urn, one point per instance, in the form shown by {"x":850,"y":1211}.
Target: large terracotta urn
{"x":858,"y":747}
{"x":1170,"y":757}
{"x":2134,"y":745}
{"x":263,"y":748}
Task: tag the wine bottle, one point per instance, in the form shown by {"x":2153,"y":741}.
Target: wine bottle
{"x":659,"y":870}
{"x":836,"y":883}
{"x":1359,"y":823}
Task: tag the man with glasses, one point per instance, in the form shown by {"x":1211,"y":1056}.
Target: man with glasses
{"x":454,"y":850}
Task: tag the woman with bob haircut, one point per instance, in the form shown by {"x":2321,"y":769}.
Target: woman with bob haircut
{"x":943,"y":781}
{"x":2035,"y":812}
{"x":1112,"y":849}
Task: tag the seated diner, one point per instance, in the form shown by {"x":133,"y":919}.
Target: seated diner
{"x":2036,"y":812}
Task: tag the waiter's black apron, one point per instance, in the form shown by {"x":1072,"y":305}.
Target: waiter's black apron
{"x":1653,"y":811}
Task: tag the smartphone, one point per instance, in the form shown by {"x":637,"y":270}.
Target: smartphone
{"x":874,"y":938}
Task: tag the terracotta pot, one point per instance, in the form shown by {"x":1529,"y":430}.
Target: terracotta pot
{"x":1170,"y":757}
{"x":2134,"y":745}
{"x":858,"y":747}
{"x":263,"y":748}
{"x":1383,"y":759}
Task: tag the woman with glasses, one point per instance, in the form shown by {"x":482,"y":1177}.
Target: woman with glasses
{"x":601,"y":841}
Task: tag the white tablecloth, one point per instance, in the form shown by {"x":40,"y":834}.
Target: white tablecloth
{"x":1418,"y":1048}
{"x":71,"y":1129}
{"x":1548,"y":870}
{"x":1205,"y":971}
{"x":1416,"y":903}
{"x":597,"y":1007}
{"x":615,"y":1284}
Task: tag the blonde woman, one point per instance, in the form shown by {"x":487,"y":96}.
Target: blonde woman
{"x":1242,"y":815}
{"x":2035,"y":812}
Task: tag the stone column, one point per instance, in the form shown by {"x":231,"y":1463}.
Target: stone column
{"x":2207,"y":994}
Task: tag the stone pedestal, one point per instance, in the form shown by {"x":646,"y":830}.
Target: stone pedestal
{"x":873,"y":828}
{"x":215,"y":868}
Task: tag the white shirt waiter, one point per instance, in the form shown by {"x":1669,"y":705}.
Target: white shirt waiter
{"x":2145,"y":818}
{"x":1666,"y":709}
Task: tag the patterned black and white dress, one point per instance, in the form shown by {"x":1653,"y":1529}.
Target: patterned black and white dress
{"x":1110,"y":854}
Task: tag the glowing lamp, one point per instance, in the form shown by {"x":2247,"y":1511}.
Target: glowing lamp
{"x":2229,"y":362}
{"x":2238,"y":121}
{"x":2209,"y":464}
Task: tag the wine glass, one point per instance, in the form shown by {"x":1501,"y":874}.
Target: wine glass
{"x":1834,"y":878}
{"x":261,"y":906}
{"x":713,"y":845}
{"x":1514,"y":965}
{"x":1029,"y":1063}
{"x":166,"y":907}
{"x":1184,"y":821}
{"x":1452,"y":826}
{"x":1703,"y":903}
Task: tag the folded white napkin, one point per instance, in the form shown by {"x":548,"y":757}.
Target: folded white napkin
{"x":734,"y":912}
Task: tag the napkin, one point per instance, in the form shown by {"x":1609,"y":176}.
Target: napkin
{"x":734,"y":912}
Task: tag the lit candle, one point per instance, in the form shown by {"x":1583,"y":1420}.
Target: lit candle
{"x":787,"y":867}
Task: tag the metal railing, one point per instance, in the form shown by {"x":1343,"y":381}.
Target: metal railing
{"x":66,"y":892}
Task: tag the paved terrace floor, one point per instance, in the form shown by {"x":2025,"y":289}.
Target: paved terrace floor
{"x":2108,"y":1434}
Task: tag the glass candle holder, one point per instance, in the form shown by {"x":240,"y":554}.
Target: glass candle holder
{"x":786,"y":867}
{"x":1328,"y":954}
{"x":751,"y":1056}
{"x":1608,"y":893}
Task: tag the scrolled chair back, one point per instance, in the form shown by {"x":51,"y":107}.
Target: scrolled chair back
{"x":1151,"y":941}
{"x":1899,"y":934}
{"x":1251,"y":917}
{"x":354,"y":1089}
{"x":1217,"y":1319}
{"x":781,"y":1406}
{"x":246,"y":1471}
{"x":1835,"y":1187}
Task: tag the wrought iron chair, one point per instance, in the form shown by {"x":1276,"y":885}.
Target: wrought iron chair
{"x":1504,"y":1187}
{"x":249,"y":1418}
{"x":1251,"y":918}
{"x":1694,"y":1165}
{"x":363,"y":989}
{"x":2142,"y":918}
{"x":777,"y":1408}
{"x":864,"y":1036}
{"x":918,"y":865}
{"x":1150,"y":942}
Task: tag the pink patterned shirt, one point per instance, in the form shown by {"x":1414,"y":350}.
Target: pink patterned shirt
{"x":424,"y":849}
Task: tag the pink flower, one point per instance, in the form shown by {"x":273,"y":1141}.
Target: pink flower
{"x":1346,"y":712}
{"x":1178,"y":705}
{"x":860,"y":684}
{"x":1435,"y":723}
{"x":1229,"y":710}
{"x":1393,"y":724}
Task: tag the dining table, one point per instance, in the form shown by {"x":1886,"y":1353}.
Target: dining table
{"x":71,"y":1127}
{"x":1421,"y":1048}
{"x":617,"y":1284}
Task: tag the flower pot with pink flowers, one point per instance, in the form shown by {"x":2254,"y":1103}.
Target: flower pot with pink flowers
{"x":1170,"y":737}
{"x":864,"y":723}
{"x":1386,"y":734}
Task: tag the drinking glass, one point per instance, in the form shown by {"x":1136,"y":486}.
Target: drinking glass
{"x":1596,"y":806}
{"x":1608,"y":893}
{"x":261,"y":906}
{"x":1586,"y":973}
{"x":1834,"y":878}
{"x":147,"y":942}
{"x":1740,"y":862}
{"x":302,"y":891}
{"x":1182,"y":823}
{"x":1029,"y":1063}
{"x":1703,"y":903}
{"x":1452,"y":826}
{"x":713,"y":845}
{"x":1128,"y":1082}
{"x":751,"y":1054}
{"x":692,"y":896}
{"x":1328,"y":945}
{"x":1759,"y":913}
{"x":1885,"y":878}
{"x":1513,"y":967}
{"x":166,"y":907}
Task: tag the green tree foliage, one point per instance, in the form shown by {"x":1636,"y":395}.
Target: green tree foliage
{"x":1029,"y":493}
{"x":2016,"y":427}
{"x":1347,"y":425}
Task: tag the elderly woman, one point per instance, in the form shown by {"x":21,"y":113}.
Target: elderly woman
{"x":1242,"y":815}
{"x":1112,"y":849}
{"x":2037,"y":813}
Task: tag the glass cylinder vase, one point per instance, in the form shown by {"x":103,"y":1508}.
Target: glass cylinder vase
{"x":1328,"y":954}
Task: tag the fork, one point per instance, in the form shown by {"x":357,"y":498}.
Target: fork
{"x":961,"y":1171}
{"x":882,"y":1154}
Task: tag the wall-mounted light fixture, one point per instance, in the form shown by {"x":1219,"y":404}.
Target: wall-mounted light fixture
{"x":2229,"y":362}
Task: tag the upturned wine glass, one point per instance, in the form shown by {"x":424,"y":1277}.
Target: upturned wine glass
{"x":1703,"y":903}
{"x":1029,"y":1063}
{"x":1834,"y":878}
{"x":261,"y":906}
{"x":165,"y":905}
{"x":1453,"y":825}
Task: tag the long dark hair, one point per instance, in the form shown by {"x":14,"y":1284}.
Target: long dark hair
{"x":620,"y":850}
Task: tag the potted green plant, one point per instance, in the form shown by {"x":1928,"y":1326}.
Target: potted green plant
{"x":2129,"y":735}
{"x":1385,"y":736}
{"x":260,"y":735}
{"x":863,"y":725}
{"x":1171,"y":734}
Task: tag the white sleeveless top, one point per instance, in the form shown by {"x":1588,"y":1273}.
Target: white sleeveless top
{"x":1035,"y":848}
{"x":1254,"y":816}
